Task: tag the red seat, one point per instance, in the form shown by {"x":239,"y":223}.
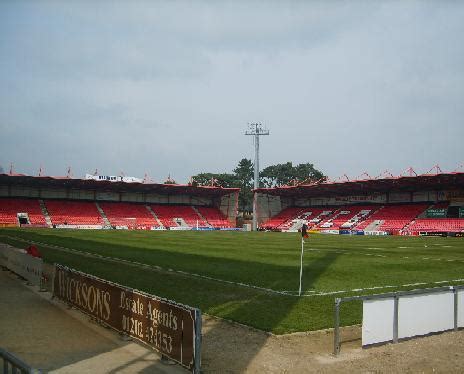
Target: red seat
{"x":73,"y":212}
{"x":9,"y":208}
{"x":134,"y":216}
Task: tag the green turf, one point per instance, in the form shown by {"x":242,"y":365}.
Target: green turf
{"x":267,"y":260}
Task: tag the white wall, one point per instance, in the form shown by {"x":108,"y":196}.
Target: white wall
{"x":461,"y":308}
{"x":377,"y":324}
{"x":417,"y":315}
{"x":423,"y":314}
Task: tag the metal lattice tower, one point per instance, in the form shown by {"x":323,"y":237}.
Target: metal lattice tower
{"x":257,"y":130}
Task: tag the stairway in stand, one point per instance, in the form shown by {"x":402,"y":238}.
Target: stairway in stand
{"x":202,"y":218}
{"x":105,"y":218}
{"x":45,"y":213}
{"x":154,"y":215}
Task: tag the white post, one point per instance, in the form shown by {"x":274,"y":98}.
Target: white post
{"x":301,"y":264}
{"x":197,"y":225}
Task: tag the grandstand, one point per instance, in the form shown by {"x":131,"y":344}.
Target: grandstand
{"x":73,"y":212}
{"x":390,"y":205}
{"x":10,"y":208}
{"x":178,"y":216}
{"x":409,"y":205}
{"x":133,"y":216}
{"x":76,"y":203}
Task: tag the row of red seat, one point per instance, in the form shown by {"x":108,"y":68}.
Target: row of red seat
{"x":9,"y":209}
{"x":394,"y":217}
{"x":119,"y":214}
{"x":437,"y":225}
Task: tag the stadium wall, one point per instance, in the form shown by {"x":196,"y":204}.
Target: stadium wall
{"x":130,"y":197}
{"x":228,"y":205}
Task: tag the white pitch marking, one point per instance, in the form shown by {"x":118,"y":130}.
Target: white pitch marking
{"x":268,"y":290}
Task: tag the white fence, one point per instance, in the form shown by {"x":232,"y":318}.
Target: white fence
{"x":400,"y":315}
{"x":19,"y":262}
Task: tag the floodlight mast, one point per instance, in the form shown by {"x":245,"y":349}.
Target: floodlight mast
{"x":257,"y":130}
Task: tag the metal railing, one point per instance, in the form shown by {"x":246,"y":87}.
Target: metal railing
{"x":395,"y":296}
{"x":14,"y":365}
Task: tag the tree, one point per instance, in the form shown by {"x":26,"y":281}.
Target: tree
{"x":244,"y":176}
{"x":272,"y":176}
{"x":222,"y":180}
{"x":285,"y":174}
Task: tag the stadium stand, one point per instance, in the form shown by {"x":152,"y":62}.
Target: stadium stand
{"x":347,"y":217}
{"x":214,"y":217}
{"x":437,"y":225}
{"x":9,"y":209}
{"x":73,"y":212}
{"x":286,"y":219}
{"x":176,"y":215}
{"x":127,"y":214}
{"x":285,"y":216}
{"x":392,"y":217}
{"x":312,"y":216}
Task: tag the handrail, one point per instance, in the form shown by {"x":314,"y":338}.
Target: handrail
{"x":16,"y":363}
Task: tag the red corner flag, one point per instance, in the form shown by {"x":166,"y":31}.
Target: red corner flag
{"x":304,"y":231}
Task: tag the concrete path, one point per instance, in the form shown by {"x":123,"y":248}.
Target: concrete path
{"x":50,"y":337}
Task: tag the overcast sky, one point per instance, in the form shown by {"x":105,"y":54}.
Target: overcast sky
{"x":169,"y":87}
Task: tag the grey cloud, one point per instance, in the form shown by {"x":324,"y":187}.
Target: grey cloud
{"x":169,"y":87}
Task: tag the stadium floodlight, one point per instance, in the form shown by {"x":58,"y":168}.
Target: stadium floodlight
{"x":256,"y":130}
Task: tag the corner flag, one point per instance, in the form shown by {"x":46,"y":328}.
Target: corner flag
{"x":304,"y":231}
{"x":304,"y":234}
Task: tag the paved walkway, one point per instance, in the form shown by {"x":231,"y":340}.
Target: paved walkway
{"x":50,"y":337}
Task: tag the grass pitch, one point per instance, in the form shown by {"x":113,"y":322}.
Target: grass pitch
{"x":253,"y":278}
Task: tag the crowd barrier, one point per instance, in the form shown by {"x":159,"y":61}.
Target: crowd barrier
{"x":393,"y":316}
{"x":14,"y":363}
{"x":171,"y":328}
{"x":22,"y":264}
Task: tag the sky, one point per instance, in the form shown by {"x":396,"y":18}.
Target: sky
{"x":168,"y":88}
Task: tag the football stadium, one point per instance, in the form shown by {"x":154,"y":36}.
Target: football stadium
{"x":366,"y":237}
{"x":231,"y":266}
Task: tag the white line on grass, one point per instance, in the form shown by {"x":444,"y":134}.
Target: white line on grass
{"x":377,"y":255}
{"x":357,"y":290}
{"x":146,"y":266}
{"x":310,"y":293}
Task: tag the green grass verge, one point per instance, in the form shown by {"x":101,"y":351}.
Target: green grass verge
{"x":268,"y":260}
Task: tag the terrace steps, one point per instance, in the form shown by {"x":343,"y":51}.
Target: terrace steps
{"x":202,"y":218}
{"x":102,"y":213}
{"x":154,"y":215}
{"x":45,"y":213}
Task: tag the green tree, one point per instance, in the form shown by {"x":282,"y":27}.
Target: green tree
{"x":272,"y":176}
{"x":222,"y":180}
{"x":285,"y":174}
{"x":244,"y":176}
